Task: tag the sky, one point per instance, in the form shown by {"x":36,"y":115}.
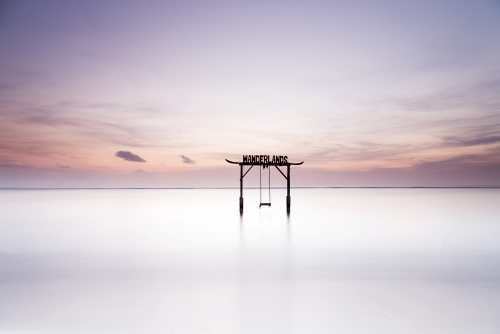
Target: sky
{"x":158,"y":93}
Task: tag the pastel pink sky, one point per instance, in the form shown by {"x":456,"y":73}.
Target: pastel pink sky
{"x":367,"y":93}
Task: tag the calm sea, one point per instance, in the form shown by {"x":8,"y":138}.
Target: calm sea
{"x":185,"y":261}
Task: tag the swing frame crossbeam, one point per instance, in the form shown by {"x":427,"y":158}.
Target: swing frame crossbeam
{"x":265,"y":163}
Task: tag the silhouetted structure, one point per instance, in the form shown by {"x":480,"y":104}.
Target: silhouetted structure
{"x":265,"y":162}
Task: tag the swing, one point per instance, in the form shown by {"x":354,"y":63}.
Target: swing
{"x":265,"y":161}
{"x":260,"y":186}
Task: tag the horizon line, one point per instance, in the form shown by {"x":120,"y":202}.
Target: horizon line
{"x":193,"y":188}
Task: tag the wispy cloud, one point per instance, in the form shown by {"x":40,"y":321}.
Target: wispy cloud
{"x":409,"y":129}
{"x":13,"y":166}
{"x":458,"y":162}
{"x":472,"y":142}
{"x":481,"y":96}
{"x":186,"y":160}
{"x":77,"y":133}
{"x":129,"y":156}
{"x":133,"y":124}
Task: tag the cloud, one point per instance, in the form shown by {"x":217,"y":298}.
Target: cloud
{"x":129,"y":156}
{"x":89,"y":122}
{"x":13,"y":166}
{"x":462,"y":162}
{"x":473,"y":142}
{"x":186,"y":160}
{"x":410,"y":128}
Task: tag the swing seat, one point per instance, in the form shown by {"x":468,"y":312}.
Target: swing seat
{"x":264,"y":204}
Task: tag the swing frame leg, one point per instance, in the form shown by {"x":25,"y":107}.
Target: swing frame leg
{"x":288,"y":198}
{"x":241,"y":189}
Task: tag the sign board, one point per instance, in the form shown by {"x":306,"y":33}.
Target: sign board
{"x":278,"y":160}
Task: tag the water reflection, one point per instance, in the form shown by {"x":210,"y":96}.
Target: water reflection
{"x":344,"y":260}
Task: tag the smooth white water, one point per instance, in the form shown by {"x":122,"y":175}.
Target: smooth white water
{"x":184,"y":261}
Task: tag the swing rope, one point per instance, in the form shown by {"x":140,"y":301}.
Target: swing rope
{"x":260,"y":187}
{"x":269,"y":169}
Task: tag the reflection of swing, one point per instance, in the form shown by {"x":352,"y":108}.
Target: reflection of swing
{"x":269,"y":187}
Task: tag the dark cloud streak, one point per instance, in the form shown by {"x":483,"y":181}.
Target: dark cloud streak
{"x":129,"y":156}
{"x":473,"y":142}
{"x":186,"y":160}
